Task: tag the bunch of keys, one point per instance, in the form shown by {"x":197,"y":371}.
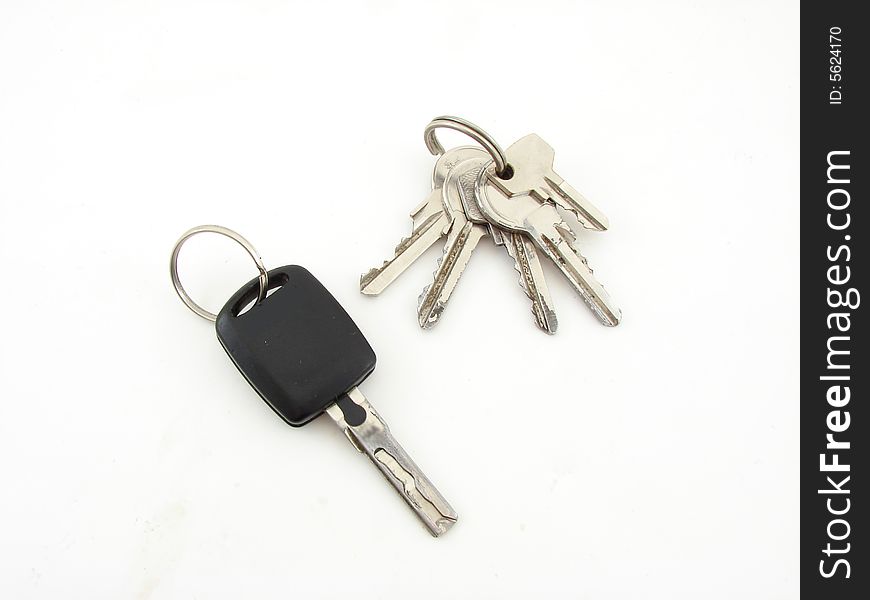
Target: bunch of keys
{"x":303,"y":355}
{"x":515,"y":198}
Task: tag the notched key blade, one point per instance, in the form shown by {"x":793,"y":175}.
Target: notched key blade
{"x":369,"y":434}
{"x":531,"y":279}
{"x":560,"y":247}
{"x":430,"y":223}
{"x":572,"y":201}
{"x":462,"y":239}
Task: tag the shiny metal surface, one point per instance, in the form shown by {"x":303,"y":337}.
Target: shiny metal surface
{"x":469,"y":129}
{"x":429,"y":224}
{"x":372,"y":437}
{"x":363,"y":427}
{"x":431,"y":221}
{"x":541,"y":222}
{"x":176,"y":280}
{"x":532,"y":280}
{"x":462,"y":238}
{"x":519,"y":248}
{"x":519,"y":212}
{"x":532,"y":161}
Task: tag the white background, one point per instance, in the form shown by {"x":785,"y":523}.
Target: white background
{"x":658,"y":459}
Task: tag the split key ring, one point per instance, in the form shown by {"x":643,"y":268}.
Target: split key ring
{"x":176,"y":280}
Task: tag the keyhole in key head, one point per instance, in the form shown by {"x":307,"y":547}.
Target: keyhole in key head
{"x":507,"y":173}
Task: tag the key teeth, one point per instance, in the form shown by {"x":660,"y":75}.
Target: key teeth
{"x":561,"y":199}
{"x":403,"y":243}
{"x":438,"y":263}
{"x":429,"y":303}
{"x":428,"y":318}
{"x":366,"y":278}
{"x":582,"y":219}
{"x":569,"y":238}
{"x":419,"y":230}
{"x":545,"y":318}
{"x":567,"y":233}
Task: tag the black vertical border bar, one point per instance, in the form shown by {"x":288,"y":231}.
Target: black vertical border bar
{"x":828,"y":127}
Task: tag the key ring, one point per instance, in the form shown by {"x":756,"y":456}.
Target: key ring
{"x":502,"y":168}
{"x":176,"y":281}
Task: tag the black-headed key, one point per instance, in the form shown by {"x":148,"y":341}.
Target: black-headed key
{"x":303,"y":354}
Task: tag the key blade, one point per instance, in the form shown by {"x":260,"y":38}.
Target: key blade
{"x":430,"y":222}
{"x":462,"y":239}
{"x":557,"y":242}
{"x":543,"y":224}
{"x":531,"y":279}
{"x":569,"y":199}
{"x":370,"y":435}
{"x":532,"y":160}
{"x":428,"y":227}
{"x":526,"y":263}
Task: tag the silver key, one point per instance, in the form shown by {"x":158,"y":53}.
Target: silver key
{"x":543,"y":224}
{"x":462,"y":238}
{"x":469,"y":226}
{"x":431,"y":223}
{"x":531,"y":279}
{"x":531,"y":159}
{"x":518,"y":246}
{"x":372,"y":437}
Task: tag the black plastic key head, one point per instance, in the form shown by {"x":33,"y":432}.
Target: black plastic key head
{"x":298,"y":348}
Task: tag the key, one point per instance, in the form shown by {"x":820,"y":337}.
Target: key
{"x":518,"y":246}
{"x":531,"y":160}
{"x":531,"y":279}
{"x":304,"y":355}
{"x":543,"y":224}
{"x":431,"y":222}
{"x":463,"y":237}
